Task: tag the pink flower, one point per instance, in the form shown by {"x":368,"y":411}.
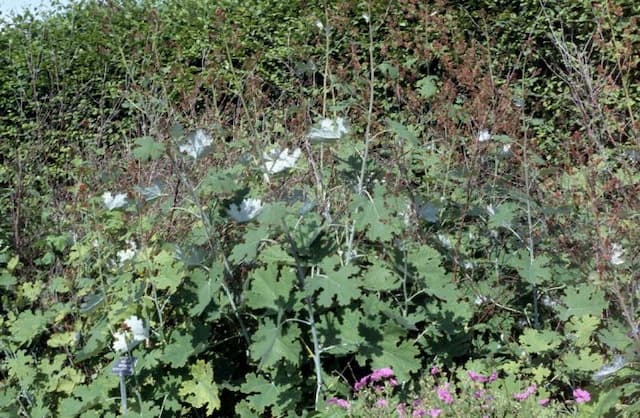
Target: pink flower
{"x":478,"y":378}
{"x":434,"y":412}
{"x":444,"y":394}
{"x":361,"y":383}
{"x":381,"y":374}
{"x":528,"y":392}
{"x":493,"y":377}
{"x":342,"y":403}
{"x":382,"y":403}
{"x":435,"y":370}
{"x":581,"y":396}
{"x":419,"y":413}
{"x":400,"y":409}
{"x":544,"y":402}
{"x":375,"y":376}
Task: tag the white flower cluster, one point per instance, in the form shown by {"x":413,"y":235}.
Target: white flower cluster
{"x":616,"y":254}
{"x":132,"y":333}
{"x":248,"y":209}
{"x":484,"y":135}
{"x":114,"y":202}
{"x":196,"y":144}
{"x":128,"y":254}
{"x":328,"y":130}
{"x":277,"y":161}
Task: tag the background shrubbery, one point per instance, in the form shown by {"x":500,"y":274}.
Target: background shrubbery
{"x":477,"y":213}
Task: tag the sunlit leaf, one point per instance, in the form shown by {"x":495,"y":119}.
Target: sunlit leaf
{"x":201,"y":390}
{"x":581,"y":300}
{"x":272,"y":343}
{"x":335,"y":284}
{"x":538,"y":341}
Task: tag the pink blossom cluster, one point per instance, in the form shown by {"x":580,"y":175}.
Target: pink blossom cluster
{"x":581,"y":395}
{"x":376,"y":376}
{"x":342,"y":403}
{"x":527,"y":392}
{"x":478,"y":378}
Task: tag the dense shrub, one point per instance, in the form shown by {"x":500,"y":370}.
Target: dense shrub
{"x":265,"y":201}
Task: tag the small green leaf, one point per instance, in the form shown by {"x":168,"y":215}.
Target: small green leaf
{"x":393,"y":351}
{"x":389,"y":70}
{"x":13,"y":263}
{"x":270,"y":288}
{"x":379,"y":278}
{"x":147,"y":148}
{"x":275,"y":254}
{"x":152,"y":192}
{"x":615,"y":336}
{"x":273,"y":343}
{"x":248,"y":249}
{"x":582,"y":300}
{"x":534,"y":271}
{"x":6,"y":279}
{"x":90,"y":302}
{"x":503,"y":215}
{"x":207,"y":284}
{"x":273,"y":214}
{"x":202,"y":389}
{"x":427,"y":87}
{"x":348,"y":334}
{"x":266,"y":392}
{"x":538,"y":341}
{"x":178,"y":351}
{"x":336,"y":284}
{"x":402,"y":132}
{"x":581,"y":328}
{"x":62,"y":339}
{"x":584,"y":361}
{"x":169,"y":271}
{"x":29,"y":325}
{"x":427,"y":263}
